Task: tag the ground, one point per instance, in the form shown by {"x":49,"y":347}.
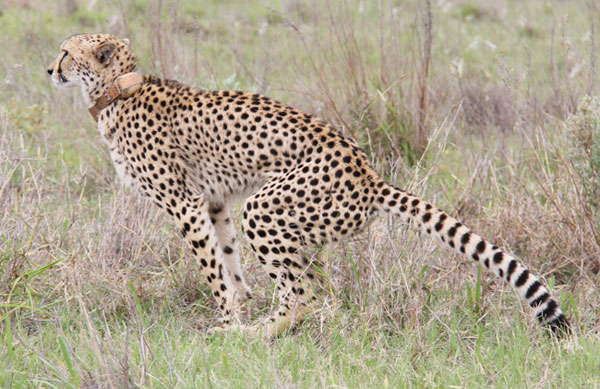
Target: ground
{"x":97,"y":289}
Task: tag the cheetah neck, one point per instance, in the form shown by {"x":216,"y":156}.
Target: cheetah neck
{"x":95,"y":85}
{"x":91,"y":93}
{"x":123,"y":87}
{"x":94,"y":88}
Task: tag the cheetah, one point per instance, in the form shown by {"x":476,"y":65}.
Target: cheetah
{"x":194,"y":152}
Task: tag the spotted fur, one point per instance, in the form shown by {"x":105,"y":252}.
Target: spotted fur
{"x":193,"y":152}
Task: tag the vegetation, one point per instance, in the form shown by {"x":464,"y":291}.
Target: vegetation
{"x":488,"y":109}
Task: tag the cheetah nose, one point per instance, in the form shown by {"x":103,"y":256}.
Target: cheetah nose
{"x":50,"y":71}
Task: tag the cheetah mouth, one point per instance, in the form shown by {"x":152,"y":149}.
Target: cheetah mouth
{"x":61,"y":81}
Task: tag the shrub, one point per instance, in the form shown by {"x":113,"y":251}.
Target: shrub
{"x":584,"y":133}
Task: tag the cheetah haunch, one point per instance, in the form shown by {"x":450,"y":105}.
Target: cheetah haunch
{"x":193,"y":152}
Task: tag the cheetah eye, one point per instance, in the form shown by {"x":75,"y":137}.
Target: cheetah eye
{"x":66,"y":53}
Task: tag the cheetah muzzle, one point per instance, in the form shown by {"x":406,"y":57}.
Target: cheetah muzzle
{"x":193,"y":152}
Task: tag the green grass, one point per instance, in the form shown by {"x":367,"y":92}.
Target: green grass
{"x":167,"y":353}
{"x":97,"y":290}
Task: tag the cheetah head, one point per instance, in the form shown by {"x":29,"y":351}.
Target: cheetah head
{"x":92,"y":62}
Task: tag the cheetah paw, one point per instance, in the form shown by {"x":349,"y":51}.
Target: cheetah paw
{"x":229,"y":328}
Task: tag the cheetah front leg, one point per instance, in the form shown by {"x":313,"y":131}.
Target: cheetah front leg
{"x":225,"y":229}
{"x":193,"y":219}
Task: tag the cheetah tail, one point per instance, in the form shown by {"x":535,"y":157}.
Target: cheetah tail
{"x":436,"y":222}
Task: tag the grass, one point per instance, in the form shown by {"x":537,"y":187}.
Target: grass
{"x":97,"y":290}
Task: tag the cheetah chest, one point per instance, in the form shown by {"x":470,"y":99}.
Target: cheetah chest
{"x":117,"y":155}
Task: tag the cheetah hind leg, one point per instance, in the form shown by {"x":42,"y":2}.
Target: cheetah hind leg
{"x":287,"y":250}
{"x":296,"y":301}
{"x":295,"y":286}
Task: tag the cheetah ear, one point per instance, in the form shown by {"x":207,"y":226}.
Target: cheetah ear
{"x":126,"y":41}
{"x":105,"y":52}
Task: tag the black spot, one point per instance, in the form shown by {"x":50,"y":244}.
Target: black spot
{"x":512,"y":266}
{"x":452,"y":232}
{"x":481,"y":246}
{"x":523,"y":277}
{"x":465,"y":238}
{"x":539,"y":300}
{"x":533,"y":288}
{"x":549,"y":311}
{"x":498,"y":257}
